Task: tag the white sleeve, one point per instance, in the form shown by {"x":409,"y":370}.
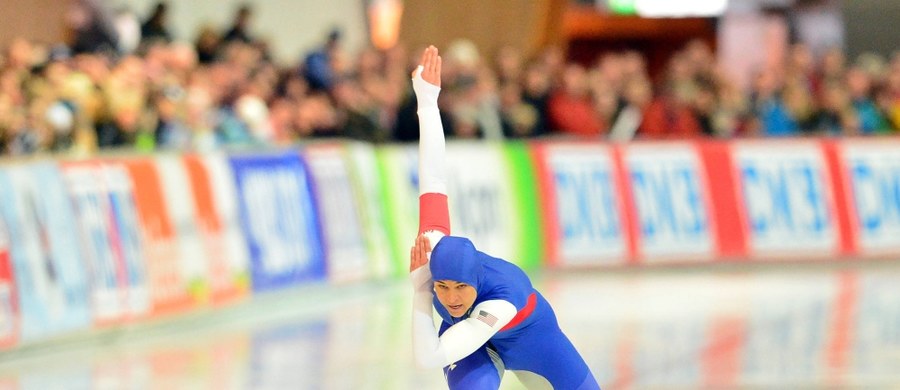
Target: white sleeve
{"x":432,"y":174}
{"x":433,"y":237}
{"x":461,"y":339}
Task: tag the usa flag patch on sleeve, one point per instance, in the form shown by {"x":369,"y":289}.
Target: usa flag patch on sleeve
{"x":486,"y":317}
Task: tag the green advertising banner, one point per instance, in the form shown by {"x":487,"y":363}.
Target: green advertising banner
{"x":528,"y":204}
{"x":369,"y":192}
{"x":491,"y":190}
{"x":398,"y":175}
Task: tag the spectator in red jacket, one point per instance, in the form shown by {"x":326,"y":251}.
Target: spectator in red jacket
{"x":670,"y":115}
{"x":571,"y":107}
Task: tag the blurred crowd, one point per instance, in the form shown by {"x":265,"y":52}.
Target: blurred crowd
{"x":224,"y":90}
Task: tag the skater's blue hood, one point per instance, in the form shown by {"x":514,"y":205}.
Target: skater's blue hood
{"x":455,"y":258}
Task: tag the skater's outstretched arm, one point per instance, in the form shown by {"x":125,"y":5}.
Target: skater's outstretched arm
{"x":434,"y":216}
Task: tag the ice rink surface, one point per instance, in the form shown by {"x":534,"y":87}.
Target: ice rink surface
{"x":761,"y":326}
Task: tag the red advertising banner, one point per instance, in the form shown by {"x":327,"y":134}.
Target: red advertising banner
{"x":730,"y":228}
{"x":9,"y":311}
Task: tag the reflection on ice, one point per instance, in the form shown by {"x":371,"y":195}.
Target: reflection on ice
{"x":765,"y":329}
{"x":676,"y":328}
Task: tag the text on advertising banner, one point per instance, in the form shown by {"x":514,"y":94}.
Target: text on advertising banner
{"x":103,"y":199}
{"x":586,"y":203}
{"x":90,"y":197}
{"x":169,"y":285}
{"x":787,"y":198}
{"x":129,"y":246}
{"x":671,"y":201}
{"x":279,"y":220}
{"x":479,"y":189}
{"x":345,"y":248}
{"x":218,"y":222}
{"x":873,"y":173}
{"x":482,"y":207}
{"x":50,"y":272}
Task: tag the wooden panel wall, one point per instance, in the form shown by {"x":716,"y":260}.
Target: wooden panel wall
{"x":589,"y":33}
{"x":527,"y":24}
{"x":38,"y":20}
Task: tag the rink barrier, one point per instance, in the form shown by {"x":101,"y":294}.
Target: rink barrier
{"x":110,"y":241}
{"x":688,"y":202}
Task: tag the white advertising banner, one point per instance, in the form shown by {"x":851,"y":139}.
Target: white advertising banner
{"x":481,"y":200}
{"x":787,"y":198}
{"x":671,"y":198}
{"x":345,"y":246}
{"x":873,"y":177}
{"x":588,"y":204}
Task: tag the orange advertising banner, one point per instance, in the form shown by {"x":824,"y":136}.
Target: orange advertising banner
{"x":169,"y":290}
{"x":216,"y":213}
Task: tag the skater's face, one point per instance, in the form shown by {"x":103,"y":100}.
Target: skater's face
{"x":456,"y":297}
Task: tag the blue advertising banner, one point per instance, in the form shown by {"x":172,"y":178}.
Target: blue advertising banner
{"x":279,"y":220}
{"x":47,"y":260}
